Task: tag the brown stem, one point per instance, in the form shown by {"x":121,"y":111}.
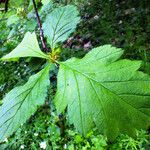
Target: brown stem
{"x":40,"y":27}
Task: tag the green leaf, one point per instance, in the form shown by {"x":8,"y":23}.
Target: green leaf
{"x":12,"y":20}
{"x":104,"y":91}
{"x":45,"y":2}
{"x":22,"y":102}
{"x":27,"y":48}
{"x":60,"y":23}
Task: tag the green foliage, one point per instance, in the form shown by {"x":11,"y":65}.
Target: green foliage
{"x":27,"y":48}
{"x":22,"y":95}
{"x":120,"y":24}
{"x":60,"y":23}
{"x":46,"y":9}
{"x":100,"y":90}
{"x":12,"y":19}
{"x":42,"y":128}
{"x":124,"y":142}
{"x":118,"y":85}
{"x":21,"y":102}
{"x":10,"y":75}
{"x":39,"y":129}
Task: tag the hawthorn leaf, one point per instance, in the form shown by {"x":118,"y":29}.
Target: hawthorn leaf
{"x":102,"y":90}
{"x":60,"y":23}
{"x":22,"y":102}
{"x":27,"y":48}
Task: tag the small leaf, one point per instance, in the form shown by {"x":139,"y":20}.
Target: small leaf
{"x":27,"y":48}
{"x":60,"y":23}
{"x":22,"y":102}
{"x":103,"y":91}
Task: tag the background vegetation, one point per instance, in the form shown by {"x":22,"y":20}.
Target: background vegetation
{"x":124,"y":24}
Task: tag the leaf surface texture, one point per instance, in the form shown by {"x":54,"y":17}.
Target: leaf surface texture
{"x":60,"y":23}
{"x":22,"y":102}
{"x":27,"y":48}
{"x":104,"y":91}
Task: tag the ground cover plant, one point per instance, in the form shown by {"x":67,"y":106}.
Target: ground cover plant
{"x":83,"y":85}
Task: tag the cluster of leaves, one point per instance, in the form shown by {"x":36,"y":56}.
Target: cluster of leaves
{"x":19,"y":19}
{"x":43,"y":127}
{"x":103,"y":61}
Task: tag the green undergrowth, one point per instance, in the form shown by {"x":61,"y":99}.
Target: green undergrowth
{"x":46,"y":126}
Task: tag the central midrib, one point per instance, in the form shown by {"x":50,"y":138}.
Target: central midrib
{"x":103,"y":87}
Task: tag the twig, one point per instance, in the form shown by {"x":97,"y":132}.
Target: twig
{"x":40,"y":27}
{"x":6,"y":5}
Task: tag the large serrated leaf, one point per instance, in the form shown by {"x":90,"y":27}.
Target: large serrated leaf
{"x":103,"y":91}
{"x":60,"y":23}
{"x":21,"y":102}
{"x":27,"y":48}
